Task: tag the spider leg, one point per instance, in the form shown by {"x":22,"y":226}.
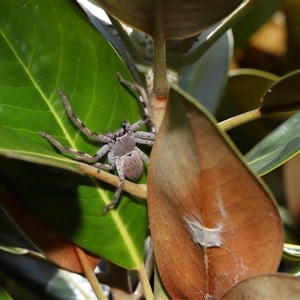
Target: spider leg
{"x":144,"y":142}
{"x":140,"y":123}
{"x":78,"y":123}
{"x":119,"y":188}
{"x":81,"y":156}
{"x":143,"y":156}
{"x":111,"y":160}
{"x":142,"y":98}
{"x":146,"y":138}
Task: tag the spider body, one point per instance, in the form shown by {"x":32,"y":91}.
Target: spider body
{"x":131,"y":162}
{"x":120,"y":146}
{"x":125,"y":152}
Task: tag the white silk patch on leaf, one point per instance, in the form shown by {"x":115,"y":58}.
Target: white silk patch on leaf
{"x":206,"y":237}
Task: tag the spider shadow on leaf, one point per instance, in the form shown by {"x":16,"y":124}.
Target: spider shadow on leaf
{"x":51,"y":193}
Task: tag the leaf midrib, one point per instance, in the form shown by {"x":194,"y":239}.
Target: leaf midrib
{"x":117,"y":220}
{"x":47,"y":101}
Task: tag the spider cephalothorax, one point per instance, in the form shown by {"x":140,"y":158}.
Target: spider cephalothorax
{"x":119,"y":146}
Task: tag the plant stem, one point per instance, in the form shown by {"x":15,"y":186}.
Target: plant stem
{"x":240,"y":119}
{"x":138,"y":190}
{"x":149,"y":266}
{"x":145,"y":283}
{"x":90,"y":275}
{"x":160,"y":83}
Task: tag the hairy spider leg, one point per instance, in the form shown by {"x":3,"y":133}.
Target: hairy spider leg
{"x":146,"y":115}
{"x":143,"y":156}
{"x":84,"y":156}
{"x":140,"y":123}
{"x":79,"y":124}
{"x":120,"y":186}
{"x":142,"y":137}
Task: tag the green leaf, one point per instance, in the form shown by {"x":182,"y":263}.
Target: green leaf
{"x":291,"y":251}
{"x":49,"y":45}
{"x":243,"y":92}
{"x":275,"y":149}
{"x":205,"y":79}
{"x":4,"y":295}
{"x":246,"y":87}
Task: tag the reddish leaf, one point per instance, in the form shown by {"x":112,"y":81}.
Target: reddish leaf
{"x":212,"y":222}
{"x":53,"y":245}
{"x":266,"y":287}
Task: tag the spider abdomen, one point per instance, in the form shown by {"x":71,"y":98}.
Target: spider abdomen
{"x":132,"y":165}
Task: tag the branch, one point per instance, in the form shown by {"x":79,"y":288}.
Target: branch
{"x":138,"y":190}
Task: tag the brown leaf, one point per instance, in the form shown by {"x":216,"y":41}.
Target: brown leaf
{"x":266,"y":287}
{"x":53,"y":245}
{"x":212,"y":222}
{"x":180,"y":19}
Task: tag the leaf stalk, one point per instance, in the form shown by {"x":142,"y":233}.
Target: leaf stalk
{"x":90,"y":275}
{"x":145,"y":283}
{"x":240,"y":119}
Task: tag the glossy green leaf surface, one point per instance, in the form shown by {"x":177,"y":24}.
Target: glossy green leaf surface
{"x":275,"y":149}
{"x":45,"y":46}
